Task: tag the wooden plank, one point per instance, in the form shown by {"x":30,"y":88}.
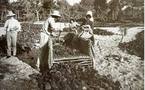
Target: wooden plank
{"x":75,"y":57}
{"x":72,"y":59}
{"x":83,"y":62}
{"x":79,"y":62}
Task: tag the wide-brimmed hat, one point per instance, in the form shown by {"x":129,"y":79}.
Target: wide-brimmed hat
{"x":56,"y":13}
{"x":10,"y":13}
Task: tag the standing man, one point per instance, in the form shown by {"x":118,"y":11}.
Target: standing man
{"x":89,"y":20}
{"x":88,"y":27}
{"x":46,"y":45}
{"x":12,"y":27}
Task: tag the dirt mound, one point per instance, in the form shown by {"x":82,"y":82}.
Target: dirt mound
{"x":58,"y":49}
{"x":75,"y":77}
{"x":14,"y":75}
{"x":135,"y":47}
{"x":72,"y":41}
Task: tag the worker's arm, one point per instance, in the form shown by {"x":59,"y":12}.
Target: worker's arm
{"x":77,"y":24}
{"x":45,"y":27}
{"x":17,"y":26}
{"x":6,"y":25}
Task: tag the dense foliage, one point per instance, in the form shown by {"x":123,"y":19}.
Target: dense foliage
{"x":103,"y":10}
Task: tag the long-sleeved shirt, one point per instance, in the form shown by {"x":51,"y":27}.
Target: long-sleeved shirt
{"x":12,"y":25}
{"x":48,"y":25}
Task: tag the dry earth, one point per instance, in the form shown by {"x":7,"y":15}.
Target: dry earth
{"x":15,"y":75}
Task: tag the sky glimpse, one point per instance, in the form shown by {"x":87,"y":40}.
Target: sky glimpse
{"x":72,"y":2}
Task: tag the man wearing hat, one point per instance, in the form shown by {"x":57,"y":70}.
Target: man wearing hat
{"x":87,"y":33}
{"x":46,"y":45}
{"x":89,"y":20}
{"x":12,"y":27}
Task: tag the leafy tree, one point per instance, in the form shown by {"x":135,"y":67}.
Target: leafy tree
{"x":115,"y":9}
{"x":101,"y":9}
{"x":107,"y":11}
{"x":33,"y":9}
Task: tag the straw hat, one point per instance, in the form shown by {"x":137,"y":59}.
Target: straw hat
{"x":56,"y":13}
{"x":10,"y":13}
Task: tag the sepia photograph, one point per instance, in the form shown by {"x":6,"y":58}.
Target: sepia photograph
{"x":71,"y":44}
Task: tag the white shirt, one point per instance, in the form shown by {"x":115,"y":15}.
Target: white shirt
{"x":12,"y":25}
{"x":48,"y":22}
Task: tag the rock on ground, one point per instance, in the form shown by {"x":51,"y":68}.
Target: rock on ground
{"x":15,"y":75}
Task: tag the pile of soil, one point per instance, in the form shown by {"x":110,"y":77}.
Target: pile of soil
{"x":14,"y":75}
{"x":102,"y":32}
{"x":74,"y":77}
{"x":135,"y":47}
{"x":61,"y":51}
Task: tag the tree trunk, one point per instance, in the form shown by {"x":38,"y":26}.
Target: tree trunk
{"x":115,"y":10}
